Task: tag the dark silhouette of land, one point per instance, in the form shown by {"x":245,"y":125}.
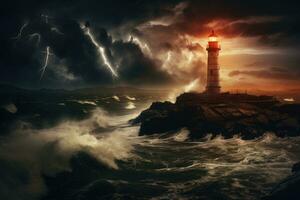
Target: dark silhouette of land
{"x":226,"y":114}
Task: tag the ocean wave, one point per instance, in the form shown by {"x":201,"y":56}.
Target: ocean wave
{"x":227,"y":158}
{"x":48,"y":151}
{"x":231,"y":169}
{"x":171,"y":160}
{"x":115,"y":97}
{"x":86,"y":102}
{"x":130,"y":98}
{"x":12,"y":108}
{"x":130,"y":105}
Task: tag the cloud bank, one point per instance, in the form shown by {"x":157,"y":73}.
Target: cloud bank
{"x":153,"y":43}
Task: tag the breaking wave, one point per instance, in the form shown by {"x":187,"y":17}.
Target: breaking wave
{"x":115,"y":97}
{"x":12,"y":108}
{"x":130,"y":98}
{"x":130,"y":105}
{"x":235,"y":164}
{"x":48,"y":151}
{"x":85,"y":102}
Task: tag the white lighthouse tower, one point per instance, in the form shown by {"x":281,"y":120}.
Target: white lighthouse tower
{"x":213,"y":77}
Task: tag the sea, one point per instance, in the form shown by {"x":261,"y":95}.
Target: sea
{"x":83,"y":147}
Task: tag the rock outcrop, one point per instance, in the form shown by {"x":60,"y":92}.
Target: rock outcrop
{"x":225,"y":114}
{"x":288,"y":188}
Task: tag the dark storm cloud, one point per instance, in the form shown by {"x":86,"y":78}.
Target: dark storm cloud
{"x":137,"y":68}
{"x":72,"y":49}
{"x":76,"y":60}
{"x":273,"y":21}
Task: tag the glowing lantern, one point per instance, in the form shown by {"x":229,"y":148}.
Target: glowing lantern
{"x":212,"y":37}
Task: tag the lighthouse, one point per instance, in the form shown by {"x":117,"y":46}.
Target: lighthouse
{"x":213,"y":78}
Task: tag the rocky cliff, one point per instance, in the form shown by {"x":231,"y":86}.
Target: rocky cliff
{"x":226,"y":114}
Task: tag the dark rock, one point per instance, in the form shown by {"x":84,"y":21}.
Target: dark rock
{"x":296,"y":168}
{"x":226,"y":114}
{"x":288,"y":188}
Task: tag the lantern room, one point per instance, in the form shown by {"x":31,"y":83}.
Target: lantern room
{"x":213,"y":41}
{"x":212,"y":37}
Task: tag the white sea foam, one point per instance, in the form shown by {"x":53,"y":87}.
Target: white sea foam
{"x":289,"y":99}
{"x":130,"y":106}
{"x":48,"y":151}
{"x":130,"y":98}
{"x":224,"y":158}
{"x":182,"y":135}
{"x":12,"y":108}
{"x":86,"y":102}
{"x":115,"y":97}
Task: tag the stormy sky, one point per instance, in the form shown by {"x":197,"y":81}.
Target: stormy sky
{"x":149,"y":43}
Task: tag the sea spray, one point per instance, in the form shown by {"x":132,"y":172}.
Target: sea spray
{"x":48,"y":151}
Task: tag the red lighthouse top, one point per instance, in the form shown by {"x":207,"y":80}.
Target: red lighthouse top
{"x":213,"y":43}
{"x":212,"y":37}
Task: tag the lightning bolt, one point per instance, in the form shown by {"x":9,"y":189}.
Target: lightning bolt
{"x":56,"y":30}
{"x":37,"y":35}
{"x":167,"y":60}
{"x":17,"y":37}
{"x":101,"y":52}
{"x":145,"y":48}
{"x":43,"y":69}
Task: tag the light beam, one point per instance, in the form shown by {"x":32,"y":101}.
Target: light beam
{"x":191,"y":86}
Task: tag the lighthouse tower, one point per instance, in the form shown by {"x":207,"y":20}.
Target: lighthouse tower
{"x":213,"y":78}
